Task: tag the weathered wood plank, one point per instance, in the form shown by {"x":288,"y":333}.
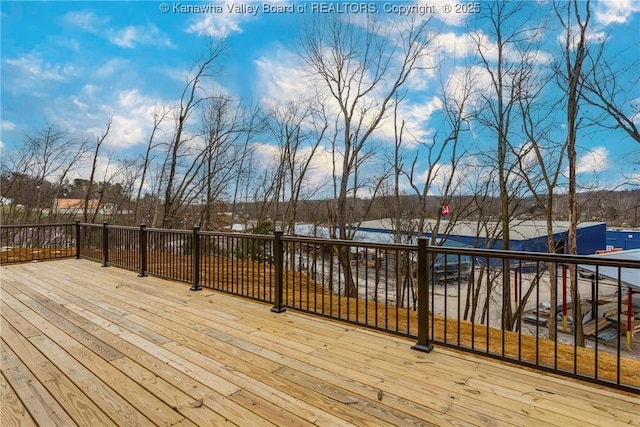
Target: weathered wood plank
{"x":170,"y":358}
{"x":184,"y":404}
{"x":208,"y":409}
{"x":51,"y":312}
{"x":108,"y":399}
{"x":274,"y":413}
{"x":13,"y":412}
{"x":147,"y":403}
{"x":372,"y":405}
{"x":21,"y":324}
{"x":45,"y":390}
{"x":296,"y":401}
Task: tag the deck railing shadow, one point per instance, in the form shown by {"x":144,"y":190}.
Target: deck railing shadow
{"x":499,"y":304}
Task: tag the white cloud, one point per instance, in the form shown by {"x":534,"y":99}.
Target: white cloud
{"x":126,"y":130}
{"x":107,"y":169}
{"x":596,"y":160}
{"x":31,"y":66}
{"x":282,"y":77}
{"x":87,"y":21}
{"x":132,"y":119}
{"x":111,"y":67}
{"x":217,"y":25}
{"x":590,"y":37}
{"x":454,"y":45}
{"x":229,"y":20}
{"x":86,"y":113}
{"x":468,"y":87}
{"x":416,"y":116}
{"x":443,"y":173}
{"x":481,"y":43}
{"x":321,"y":168}
{"x":82,"y":106}
{"x":615,"y":12}
{"x":128,"y":37}
{"x":453,"y":17}
{"x":221,"y":25}
{"x":134,"y":35}
{"x":528,"y":157}
{"x":71,"y":44}
{"x":89,"y":90}
{"x":6,"y":125}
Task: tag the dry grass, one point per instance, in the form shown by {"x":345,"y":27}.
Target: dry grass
{"x":14,"y":255}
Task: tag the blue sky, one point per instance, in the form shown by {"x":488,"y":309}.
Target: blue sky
{"x":74,"y":63}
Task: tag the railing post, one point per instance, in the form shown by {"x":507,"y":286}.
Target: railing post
{"x":105,"y":244}
{"x":279,"y":261}
{"x":77,"y":239}
{"x":424,"y":268}
{"x":629,"y":319}
{"x":142,"y":248}
{"x":565,"y":327}
{"x":195,"y":259}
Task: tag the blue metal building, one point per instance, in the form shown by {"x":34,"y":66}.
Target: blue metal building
{"x":623,"y":239}
{"x":528,"y":236}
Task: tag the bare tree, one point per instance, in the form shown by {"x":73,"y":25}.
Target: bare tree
{"x":482,"y":184}
{"x":361,"y":69}
{"x":575,"y":20}
{"x":439,"y":158}
{"x":246,"y":169}
{"x":224,"y":122}
{"x":159,"y":116}
{"x":99,"y":140}
{"x":124,"y":201}
{"x":541,"y":162}
{"x":444,"y":151}
{"x":177,"y":184}
{"x":506,"y":59}
{"x":398,"y":217}
{"x":298,"y":130}
{"x":49,"y":155}
{"x":104,"y":203}
{"x":610,"y":88}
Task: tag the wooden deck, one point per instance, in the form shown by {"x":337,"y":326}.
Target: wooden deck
{"x":93,"y":346}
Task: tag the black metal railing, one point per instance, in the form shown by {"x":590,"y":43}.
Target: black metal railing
{"x":90,"y":241}
{"x":364,"y":283}
{"x":504,"y":309}
{"x":19,"y":243}
{"x":242,"y":264}
{"x":496,"y":303}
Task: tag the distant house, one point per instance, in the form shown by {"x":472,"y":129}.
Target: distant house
{"x":76,"y":207}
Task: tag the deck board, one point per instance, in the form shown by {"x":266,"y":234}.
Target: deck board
{"x":88,"y":345}
{"x":13,"y":412}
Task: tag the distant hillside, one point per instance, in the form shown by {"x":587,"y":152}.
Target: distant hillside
{"x":616,"y":208}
